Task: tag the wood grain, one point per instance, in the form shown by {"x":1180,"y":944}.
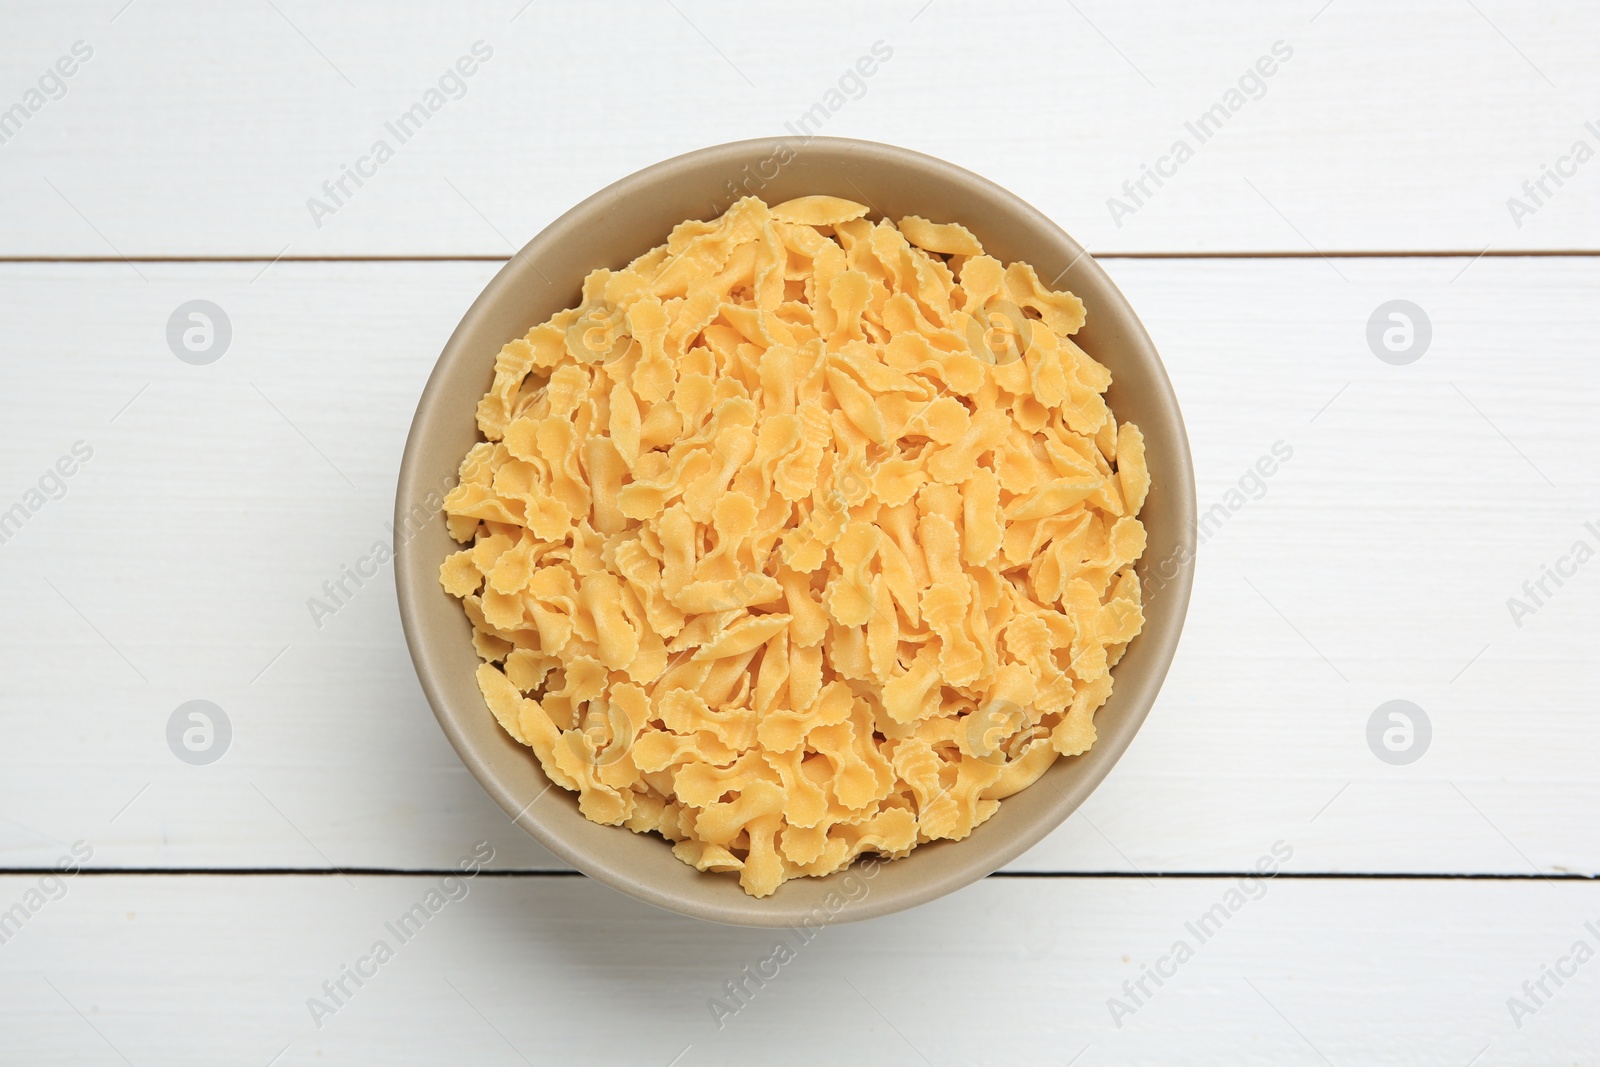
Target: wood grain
{"x":204,"y":129}
{"x":1375,"y":565}
{"x":204,"y":970}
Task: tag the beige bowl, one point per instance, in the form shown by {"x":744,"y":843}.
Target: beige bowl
{"x":611,"y":228}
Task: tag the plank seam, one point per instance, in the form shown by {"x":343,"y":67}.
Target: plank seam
{"x":1512,"y":253}
{"x":390,"y":872}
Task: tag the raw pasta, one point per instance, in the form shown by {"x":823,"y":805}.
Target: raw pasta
{"x":802,"y":536}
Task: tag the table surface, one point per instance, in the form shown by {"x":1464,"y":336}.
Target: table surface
{"x":1428,"y":540}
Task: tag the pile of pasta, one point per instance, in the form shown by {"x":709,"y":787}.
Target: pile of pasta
{"x":802,"y":536}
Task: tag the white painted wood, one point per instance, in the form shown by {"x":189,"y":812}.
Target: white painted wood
{"x":205,"y":970}
{"x":203,"y":129}
{"x":1375,"y":565}
{"x":217,"y":502}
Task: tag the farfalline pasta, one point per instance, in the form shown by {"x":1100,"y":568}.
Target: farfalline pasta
{"x":802,"y":536}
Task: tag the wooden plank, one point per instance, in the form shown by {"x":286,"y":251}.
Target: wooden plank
{"x":204,"y":129}
{"x":1375,"y":565}
{"x":203,"y":970}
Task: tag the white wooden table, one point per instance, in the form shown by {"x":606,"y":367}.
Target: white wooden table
{"x":1376,"y":163}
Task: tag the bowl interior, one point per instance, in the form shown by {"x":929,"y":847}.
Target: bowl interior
{"x":608,"y":230}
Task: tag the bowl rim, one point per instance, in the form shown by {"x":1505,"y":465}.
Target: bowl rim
{"x":770,"y":911}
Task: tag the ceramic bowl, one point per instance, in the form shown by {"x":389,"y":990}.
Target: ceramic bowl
{"x":608,"y":230}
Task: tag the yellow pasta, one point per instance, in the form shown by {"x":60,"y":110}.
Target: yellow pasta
{"x":800,"y":537}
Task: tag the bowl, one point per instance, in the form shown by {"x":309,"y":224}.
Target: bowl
{"x":609,"y":229}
